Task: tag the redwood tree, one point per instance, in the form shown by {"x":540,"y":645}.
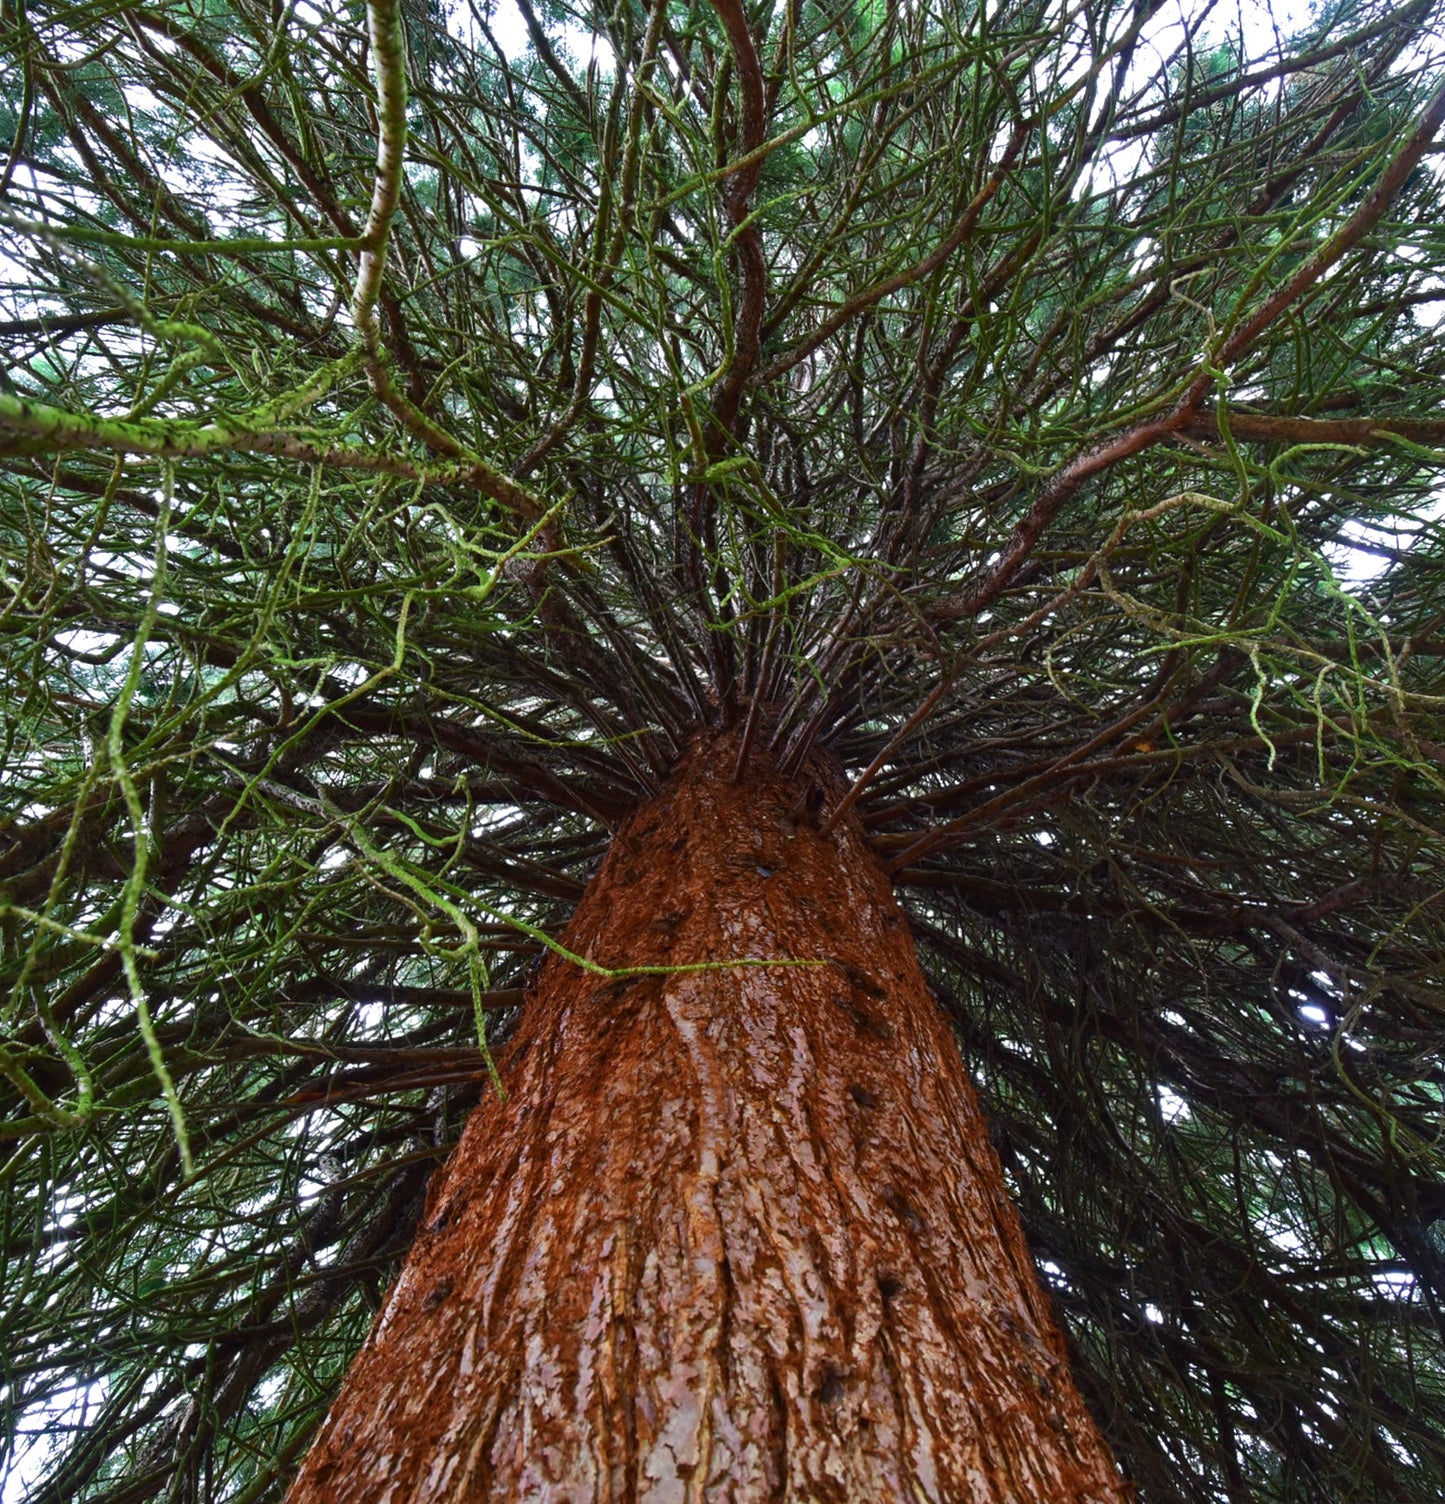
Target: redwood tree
{"x":920,"y":524}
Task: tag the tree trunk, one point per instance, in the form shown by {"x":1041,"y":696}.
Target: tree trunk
{"x":734,"y":1234}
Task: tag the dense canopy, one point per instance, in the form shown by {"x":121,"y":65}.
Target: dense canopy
{"x":418,"y":418}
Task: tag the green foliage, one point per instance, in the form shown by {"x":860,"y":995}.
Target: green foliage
{"x":1038,"y":406}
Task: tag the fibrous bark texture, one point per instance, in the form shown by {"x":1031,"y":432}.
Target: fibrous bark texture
{"x":734,"y":1234}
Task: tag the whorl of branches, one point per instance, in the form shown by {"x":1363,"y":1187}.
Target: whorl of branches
{"x":410,"y":435}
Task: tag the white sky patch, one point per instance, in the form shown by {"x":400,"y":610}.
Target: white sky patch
{"x":114,"y":1009}
{"x":503,"y":20}
{"x":492,"y":821}
{"x":82,"y":640}
{"x":1398,"y":1284}
{"x":1264,"y":26}
{"x":370,"y":1017}
{"x":1284,"y":1237}
{"x":1172,"y":1107}
{"x":1368,"y":562}
{"x":139,"y":97}
{"x":1430,"y":314}
{"x":309,"y":1188}
{"x":33,"y":1453}
{"x":577,"y":43}
{"x":1367,"y":548}
{"x":1053,"y":1273}
{"x":1186,"y":28}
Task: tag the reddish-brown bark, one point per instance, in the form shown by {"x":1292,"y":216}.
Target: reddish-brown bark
{"x":734,"y":1234}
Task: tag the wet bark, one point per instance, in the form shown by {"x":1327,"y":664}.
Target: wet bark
{"x":734,"y":1235}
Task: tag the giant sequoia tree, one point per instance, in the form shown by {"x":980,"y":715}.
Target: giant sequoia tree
{"x":822,"y":489}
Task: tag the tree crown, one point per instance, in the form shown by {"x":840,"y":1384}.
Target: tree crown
{"x":421,"y":418}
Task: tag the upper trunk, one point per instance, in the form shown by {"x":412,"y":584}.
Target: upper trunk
{"x":734,"y":1233}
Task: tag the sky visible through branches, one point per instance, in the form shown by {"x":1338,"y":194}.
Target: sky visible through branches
{"x":406,"y":443}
